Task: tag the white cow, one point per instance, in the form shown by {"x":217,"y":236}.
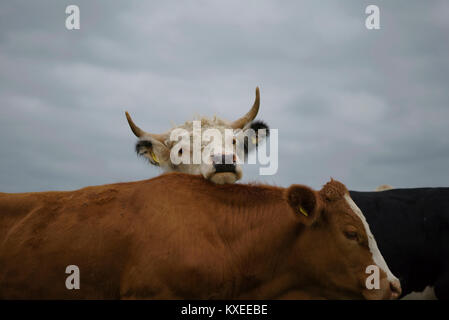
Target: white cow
{"x":220,"y":165}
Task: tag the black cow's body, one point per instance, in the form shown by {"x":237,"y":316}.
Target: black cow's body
{"x":411,"y":227}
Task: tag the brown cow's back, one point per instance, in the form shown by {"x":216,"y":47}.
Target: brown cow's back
{"x":43,"y":233}
{"x":129,"y":239}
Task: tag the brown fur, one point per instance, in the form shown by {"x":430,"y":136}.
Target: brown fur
{"x":333,"y":190}
{"x":180,"y":236}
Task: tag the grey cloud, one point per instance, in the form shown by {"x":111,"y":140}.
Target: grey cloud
{"x":366,"y":107}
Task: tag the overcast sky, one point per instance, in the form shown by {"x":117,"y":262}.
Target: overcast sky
{"x":367,"y":107}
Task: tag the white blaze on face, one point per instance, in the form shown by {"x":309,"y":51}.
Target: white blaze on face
{"x":377,"y":256}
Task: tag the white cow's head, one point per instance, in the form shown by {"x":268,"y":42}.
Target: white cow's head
{"x":215,"y":151}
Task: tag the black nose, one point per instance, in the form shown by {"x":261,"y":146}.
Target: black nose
{"x":224,"y":163}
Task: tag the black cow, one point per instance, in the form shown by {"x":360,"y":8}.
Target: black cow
{"x":411,"y":227}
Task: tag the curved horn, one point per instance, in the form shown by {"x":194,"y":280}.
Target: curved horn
{"x":139,"y":132}
{"x":240,"y":123}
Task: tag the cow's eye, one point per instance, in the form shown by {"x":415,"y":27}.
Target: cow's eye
{"x":351,"y":235}
{"x":180,"y":152}
{"x":234,"y":141}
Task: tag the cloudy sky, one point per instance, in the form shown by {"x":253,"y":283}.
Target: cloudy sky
{"x":367,"y":107}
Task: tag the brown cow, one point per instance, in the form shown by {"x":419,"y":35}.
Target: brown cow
{"x":181,"y":236}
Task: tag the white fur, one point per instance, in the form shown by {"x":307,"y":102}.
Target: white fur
{"x":377,"y":256}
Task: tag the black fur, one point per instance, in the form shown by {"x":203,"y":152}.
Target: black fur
{"x":256,"y":125}
{"x":411,"y":227}
{"x":146,"y":145}
{"x":143,"y":144}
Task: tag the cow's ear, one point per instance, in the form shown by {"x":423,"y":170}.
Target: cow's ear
{"x":155,"y":151}
{"x":305,"y":203}
{"x":259,"y":131}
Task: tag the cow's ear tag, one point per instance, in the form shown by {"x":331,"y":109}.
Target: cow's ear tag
{"x":303,"y":211}
{"x":254,"y":140}
{"x":155,"y":159}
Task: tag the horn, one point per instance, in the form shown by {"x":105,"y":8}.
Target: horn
{"x":139,"y":132}
{"x":240,"y":123}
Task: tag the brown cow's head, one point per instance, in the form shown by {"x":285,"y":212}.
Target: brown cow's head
{"x":337,"y":246}
{"x":219,"y":166}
